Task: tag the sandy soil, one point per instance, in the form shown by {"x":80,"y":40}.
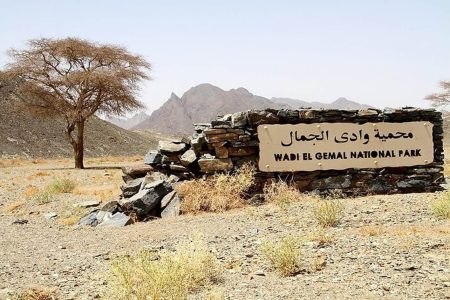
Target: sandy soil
{"x":387,"y":247}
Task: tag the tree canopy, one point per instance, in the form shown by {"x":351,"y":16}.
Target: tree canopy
{"x":75,"y":79}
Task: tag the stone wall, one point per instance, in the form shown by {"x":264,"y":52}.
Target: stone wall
{"x":230,"y":141}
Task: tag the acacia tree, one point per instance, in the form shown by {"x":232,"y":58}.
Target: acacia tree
{"x":74,"y":79}
{"x":441,"y":99}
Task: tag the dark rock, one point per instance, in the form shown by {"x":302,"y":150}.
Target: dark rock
{"x":256,"y":118}
{"x":209,"y":165}
{"x":90,"y":219}
{"x":221,"y":152}
{"x":115,"y":220}
{"x":220,"y":124}
{"x":335,"y":182}
{"x":172,"y":209}
{"x":241,"y":151}
{"x":111,"y":206}
{"x":147,"y":199}
{"x":171,"y":147}
{"x":20,"y":222}
{"x":222,"y":137}
{"x":167,"y":198}
{"x":153,"y":157}
{"x":131,"y":187}
{"x":137,"y":170}
{"x":188,"y":157}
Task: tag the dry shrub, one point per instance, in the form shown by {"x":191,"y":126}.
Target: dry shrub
{"x":283,"y":256}
{"x":372,"y":230}
{"x":164,"y":275}
{"x":44,"y":196}
{"x":441,"y":206}
{"x":219,"y":193}
{"x":61,"y":185}
{"x":72,"y":215}
{"x":321,"y":237}
{"x":328,"y":212}
{"x":37,"y":294}
{"x":281,"y":193}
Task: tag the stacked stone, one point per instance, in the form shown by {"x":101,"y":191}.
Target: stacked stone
{"x":231,"y":140}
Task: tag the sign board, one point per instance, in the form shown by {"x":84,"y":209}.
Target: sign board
{"x":339,"y":146}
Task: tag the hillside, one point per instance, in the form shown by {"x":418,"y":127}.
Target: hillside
{"x":26,"y":135}
{"x":205,"y":101}
{"x":127,"y":123}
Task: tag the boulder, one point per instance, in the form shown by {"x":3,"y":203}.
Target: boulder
{"x":152,"y":157}
{"x":171,"y":147}
{"x":178,"y":168}
{"x":239,"y":119}
{"x":167,"y":198}
{"x":172,"y":209}
{"x":111,"y":206}
{"x":212,"y":131}
{"x":256,"y":118}
{"x":222,"y":137}
{"x":221,"y":152}
{"x":188,"y":157}
{"x":137,"y":170}
{"x":115,"y":220}
{"x":131,"y":187}
{"x":90,"y":219}
{"x":210,"y":165}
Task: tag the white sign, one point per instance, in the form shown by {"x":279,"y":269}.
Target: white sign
{"x":339,"y":146}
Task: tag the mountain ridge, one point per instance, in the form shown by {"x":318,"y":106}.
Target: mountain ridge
{"x":204,"y":102}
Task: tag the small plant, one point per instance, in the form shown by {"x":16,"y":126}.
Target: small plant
{"x":441,"y":206}
{"x":219,"y":193}
{"x":284,"y":256}
{"x":164,"y":275}
{"x":321,"y":237}
{"x":328,"y":212}
{"x":61,"y":185}
{"x":372,"y":230}
{"x":281,"y":193}
{"x":44,"y":196}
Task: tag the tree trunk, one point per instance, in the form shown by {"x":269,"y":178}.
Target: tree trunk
{"x":78,"y":147}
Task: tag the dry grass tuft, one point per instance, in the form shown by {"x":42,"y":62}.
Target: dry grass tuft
{"x":283,"y":256}
{"x":44,"y":196}
{"x":372,"y":230}
{"x":219,"y":193}
{"x":282,"y":194}
{"x":164,"y":275}
{"x":328,"y":212}
{"x":321,"y":237}
{"x":37,"y":294}
{"x":441,"y":206}
{"x":61,"y":185}
{"x":103,"y":192}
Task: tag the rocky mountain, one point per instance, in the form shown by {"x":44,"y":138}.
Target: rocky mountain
{"x":26,"y":135}
{"x":204,"y":102}
{"x":127,"y":123}
{"x":340,"y":103}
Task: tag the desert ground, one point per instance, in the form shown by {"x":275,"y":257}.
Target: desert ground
{"x":385,"y":247}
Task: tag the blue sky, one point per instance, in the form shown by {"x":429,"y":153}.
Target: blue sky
{"x":383,"y":53}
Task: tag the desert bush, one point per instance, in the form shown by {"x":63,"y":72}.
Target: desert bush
{"x":441,"y":206}
{"x":321,"y":237}
{"x":328,"y":212}
{"x":372,"y":230}
{"x":281,"y":193}
{"x":37,"y":294}
{"x":283,"y":256}
{"x":61,"y":185}
{"x":219,"y":193}
{"x":164,"y":275}
{"x":43,"y":196}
